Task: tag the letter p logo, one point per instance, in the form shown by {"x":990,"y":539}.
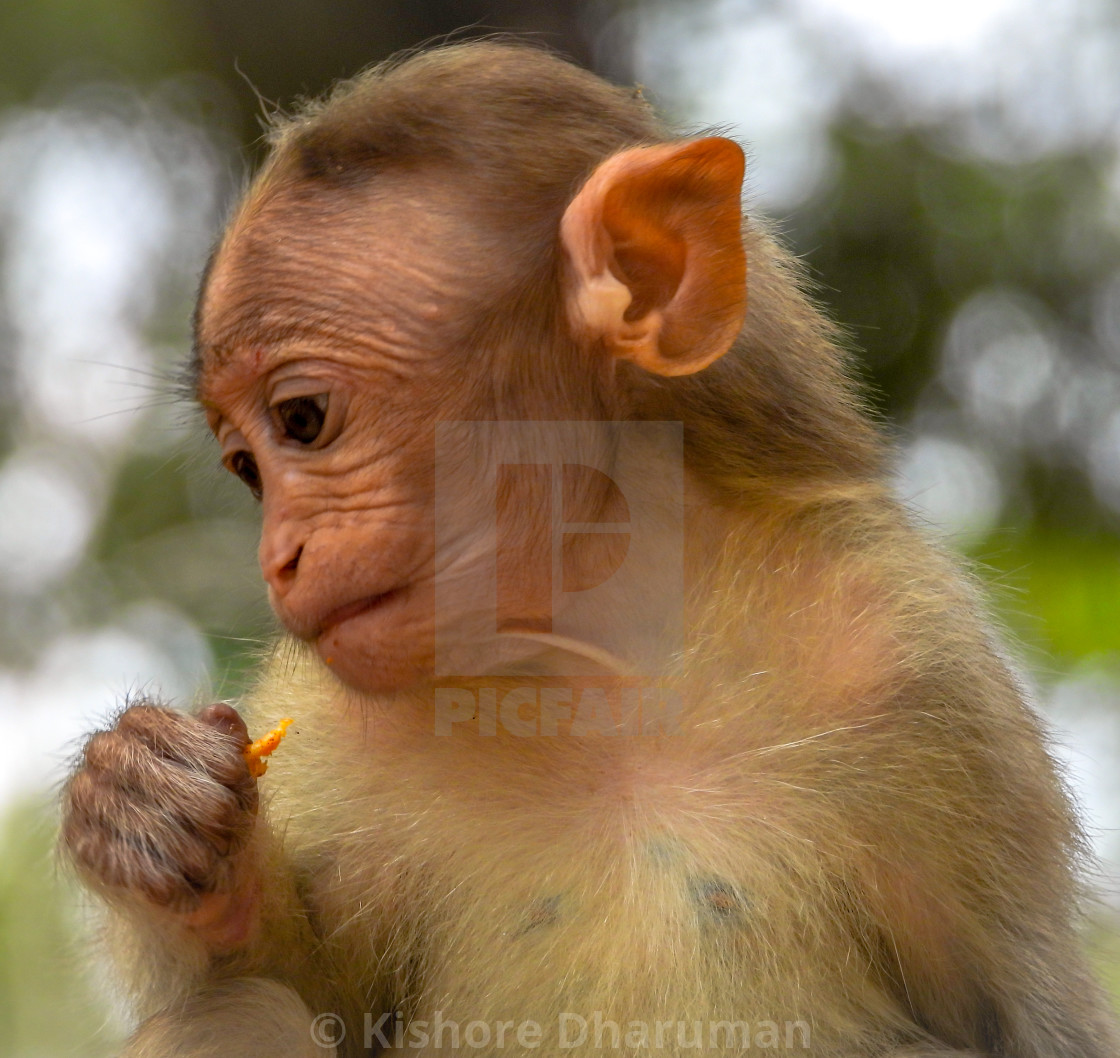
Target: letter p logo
{"x":542,"y":522}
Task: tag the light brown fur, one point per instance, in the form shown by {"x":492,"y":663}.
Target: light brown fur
{"x":854,"y":827}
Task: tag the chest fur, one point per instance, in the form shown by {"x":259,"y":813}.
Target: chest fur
{"x":657,"y":908}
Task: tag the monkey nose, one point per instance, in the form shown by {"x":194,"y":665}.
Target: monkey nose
{"x":279,"y":558}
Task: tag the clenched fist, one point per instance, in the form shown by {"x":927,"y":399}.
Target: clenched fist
{"x":159,"y":808}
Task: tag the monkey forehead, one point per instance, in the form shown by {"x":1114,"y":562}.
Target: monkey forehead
{"x":376,"y":274}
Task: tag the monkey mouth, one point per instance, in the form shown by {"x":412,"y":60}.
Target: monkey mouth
{"x":355,"y":609}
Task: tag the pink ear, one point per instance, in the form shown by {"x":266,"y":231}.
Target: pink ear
{"x":658,"y":271}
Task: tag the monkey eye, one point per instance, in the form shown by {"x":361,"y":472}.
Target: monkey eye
{"x":245,"y":467}
{"x":302,"y":418}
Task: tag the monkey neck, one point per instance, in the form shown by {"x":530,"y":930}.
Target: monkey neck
{"x":641,"y":616}
{"x":775,"y":548}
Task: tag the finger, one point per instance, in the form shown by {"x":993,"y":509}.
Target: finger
{"x":165,"y":732}
{"x":125,"y":757}
{"x":223,"y":717}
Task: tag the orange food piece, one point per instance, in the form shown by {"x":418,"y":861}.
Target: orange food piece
{"x":263,"y":747}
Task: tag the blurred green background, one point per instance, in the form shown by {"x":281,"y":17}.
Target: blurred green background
{"x":948,"y":170}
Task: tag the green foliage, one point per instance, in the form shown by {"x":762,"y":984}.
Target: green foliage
{"x":1060,"y":592}
{"x":47,"y":1003}
{"x":909,"y":229}
{"x":132,"y":38}
{"x":1104,"y":947}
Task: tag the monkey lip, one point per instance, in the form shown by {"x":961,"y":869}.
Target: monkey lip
{"x":355,"y":609}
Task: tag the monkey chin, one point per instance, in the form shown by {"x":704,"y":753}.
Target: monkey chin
{"x":372,"y":658}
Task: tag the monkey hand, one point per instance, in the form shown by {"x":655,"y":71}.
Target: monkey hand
{"x":160,"y":811}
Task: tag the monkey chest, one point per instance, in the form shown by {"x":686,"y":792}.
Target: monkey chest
{"x":553,"y":931}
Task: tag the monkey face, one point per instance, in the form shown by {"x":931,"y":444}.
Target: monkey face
{"x":321,"y":340}
{"x":330,"y":347}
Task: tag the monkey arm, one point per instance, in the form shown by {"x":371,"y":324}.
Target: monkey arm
{"x":258,"y":929}
{"x":256,"y":1000}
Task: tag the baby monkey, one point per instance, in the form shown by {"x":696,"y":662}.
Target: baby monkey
{"x":632,"y":710}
